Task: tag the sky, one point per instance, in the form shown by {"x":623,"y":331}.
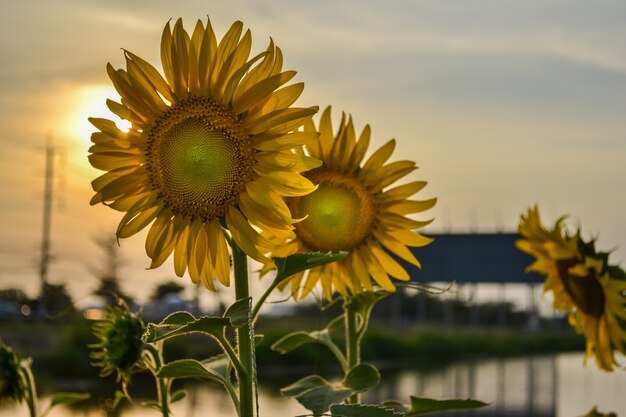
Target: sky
{"x":502,"y":104}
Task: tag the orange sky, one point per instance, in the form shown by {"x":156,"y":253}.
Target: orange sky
{"x":502,"y":104}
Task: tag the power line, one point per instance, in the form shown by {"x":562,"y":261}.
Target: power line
{"x":47,"y":220}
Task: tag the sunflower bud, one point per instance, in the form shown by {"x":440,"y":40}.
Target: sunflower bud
{"x":12,"y":387}
{"x":119,"y":346}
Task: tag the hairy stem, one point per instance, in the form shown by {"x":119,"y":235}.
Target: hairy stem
{"x":353,"y":344}
{"x":244,"y":337}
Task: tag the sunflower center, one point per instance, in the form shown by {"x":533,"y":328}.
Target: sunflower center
{"x":340,"y":212}
{"x":586,"y":292}
{"x":199,"y":158}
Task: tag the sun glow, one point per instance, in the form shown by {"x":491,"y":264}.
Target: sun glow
{"x":91,"y":102}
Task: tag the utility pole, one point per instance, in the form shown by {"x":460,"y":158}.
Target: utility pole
{"x":47,"y":217}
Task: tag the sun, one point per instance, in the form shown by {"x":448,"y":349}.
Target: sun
{"x":90,"y":101}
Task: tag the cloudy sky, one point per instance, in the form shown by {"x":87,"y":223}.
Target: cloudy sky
{"x":502,"y":104}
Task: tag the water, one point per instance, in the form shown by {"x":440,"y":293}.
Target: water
{"x":541,"y":386}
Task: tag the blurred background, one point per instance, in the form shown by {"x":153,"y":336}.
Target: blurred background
{"x":502,"y":104}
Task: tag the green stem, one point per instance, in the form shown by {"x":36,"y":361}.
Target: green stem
{"x":353,"y":344}
{"x":163,"y":384}
{"x":31,"y":390}
{"x":244,"y":337}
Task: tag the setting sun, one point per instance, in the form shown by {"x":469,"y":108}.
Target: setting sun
{"x":91,"y":102}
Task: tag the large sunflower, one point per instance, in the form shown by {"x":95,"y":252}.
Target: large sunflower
{"x":210,"y":148}
{"x":584,"y":285}
{"x":352,"y":210}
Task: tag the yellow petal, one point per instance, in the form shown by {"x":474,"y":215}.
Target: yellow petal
{"x":257,"y":93}
{"x":281,"y":142}
{"x":219,"y":252}
{"x":287,"y":184}
{"x":180,"y":251}
{"x":378,"y":158}
{"x":267,"y":197}
{"x":165,"y":245}
{"x":244,"y":235}
{"x":130,"y":225}
{"x":388,"y":174}
{"x":376,"y":271}
{"x":361,"y":147}
{"x":109,"y":161}
{"x":360,"y":270}
{"x":402,"y":192}
{"x":326,"y":133}
{"x":409,"y":206}
{"x":396,"y":247}
{"x":410,"y":238}
{"x":390,"y":265}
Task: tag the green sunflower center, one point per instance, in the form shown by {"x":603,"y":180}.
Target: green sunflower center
{"x":586,"y":292}
{"x":199,"y":158}
{"x":340,"y":212}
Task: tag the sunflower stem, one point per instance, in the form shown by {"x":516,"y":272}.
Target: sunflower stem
{"x":31,"y":389}
{"x":244,"y":337}
{"x":353,"y":343}
{"x":163,"y":384}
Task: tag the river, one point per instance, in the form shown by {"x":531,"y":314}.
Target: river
{"x":539,"y":386}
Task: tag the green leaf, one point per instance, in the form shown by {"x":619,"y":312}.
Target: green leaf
{"x":316,"y":394}
{"x":361,"y":378}
{"x":151,"y":404}
{"x":64,"y":398}
{"x":302,"y":385}
{"x":239,"y":312}
{"x":178,"y":395}
{"x":208,"y":325}
{"x":421,"y":406}
{"x":67,"y":398}
{"x":361,"y":410}
{"x":362,"y":303}
{"x":178,"y":318}
{"x":294,"y":340}
{"x":299,"y":262}
{"x":216,"y":369}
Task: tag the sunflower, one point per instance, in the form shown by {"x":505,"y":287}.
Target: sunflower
{"x":210,"y":148}
{"x":119,"y":347}
{"x":353,"y":211}
{"x":584,"y":285}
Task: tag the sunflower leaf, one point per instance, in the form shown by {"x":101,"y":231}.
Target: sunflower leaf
{"x":316,"y":394}
{"x":179,"y":317}
{"x":421,"y":406}
{"x":216,"y":369}
{"x":361,"y":378}
{"x":178,"y":395}
{"x":299,"y":262}
{"x":65,"y":398}
{"x":294,"y":340}
{"x":361,"y":410}
{"x":362,"y":303}
{"x":209,"y":325}
{"x":239,"y":312}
